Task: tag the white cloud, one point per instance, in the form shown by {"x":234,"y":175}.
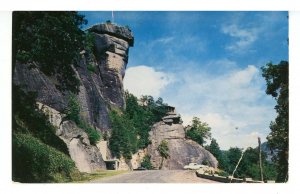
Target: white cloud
{"x":144,"y":80}
{"x":234,"y":99}
{"x":245,"y":37}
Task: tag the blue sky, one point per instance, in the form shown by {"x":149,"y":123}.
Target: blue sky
{"x":207,"y":64}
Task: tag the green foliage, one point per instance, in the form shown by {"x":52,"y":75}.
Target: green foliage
{"x":123,"y":140}
{"x":53,"y":40}
{"x":73,"y":114}
{"x":93,"y":134}
{"x":91,"y":68}
{"x":73,"y":110}
{"x":155,"y":109}
{"x":163,"y":149}
{"x":89,"y":42}
{"x":27,"y":118}
{"x":34,"y":161}
{"x":130,"y":129}
{"x":146,"y":163}
{"x":249,"y":165}
{"x":223,"y":173}
{"x":205,"y":162}
{"x":143,"y":116}
{"x":277,"y":80}
{"x":199,"y":131}
{"x":214,"y":148}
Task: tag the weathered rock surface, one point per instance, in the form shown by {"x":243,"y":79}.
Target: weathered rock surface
{"x":181,"y":151}
{"x":101,"y":76}
{"x":87,"y":157}
{"x":100,"y":87}
{"x":32,"y":79}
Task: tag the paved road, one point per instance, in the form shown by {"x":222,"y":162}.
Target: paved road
{"x":155,"y":176}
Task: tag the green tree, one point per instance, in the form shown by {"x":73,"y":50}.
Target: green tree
{"x":51,"y":39}
{"x":249,"y":165}
{"x":214,"y":148}
{"x":277,"y":80}
{"x":123,"y":140}
{"x":199,"y":131}
{"x":163,"y":150}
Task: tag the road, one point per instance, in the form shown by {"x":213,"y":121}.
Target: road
{"x":155,"y":176}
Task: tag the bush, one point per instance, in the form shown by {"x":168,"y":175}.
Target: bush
{"x":93,"y":134}
{"x":34,"y":161}
{"x":91,"y":68}
{"x":73,"y":110}
{"x":146,"y":162}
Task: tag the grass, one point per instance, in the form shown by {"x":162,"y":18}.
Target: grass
{"x":85,"y":177}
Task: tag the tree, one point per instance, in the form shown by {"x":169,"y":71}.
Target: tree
{"x":51,"y":40}
{"x":123,"y":140}
{"x":199,"y":131}
{"x":277,"y":80}
{"x":214,"y":148}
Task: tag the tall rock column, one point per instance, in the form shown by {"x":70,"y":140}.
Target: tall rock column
{"x":101,"y":73}
{"x":112,"y":44}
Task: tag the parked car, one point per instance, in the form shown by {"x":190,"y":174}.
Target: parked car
{"x":194,"y":166}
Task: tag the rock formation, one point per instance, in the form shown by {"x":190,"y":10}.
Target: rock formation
{"x":87,"y":158}
{"x":101,"y":87}
{"x":181,"y":151}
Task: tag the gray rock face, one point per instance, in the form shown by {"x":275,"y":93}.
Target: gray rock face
{"x":100,"y":88}
{"x":114,"y":30}
{"x":181,"y":151}
{"x":32,"y":79}
{"x":87,"y":158}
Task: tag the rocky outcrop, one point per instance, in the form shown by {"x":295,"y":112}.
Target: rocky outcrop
{"x":87,"y":157}
{"x":181,"y":151}
{"x":100,"y":74}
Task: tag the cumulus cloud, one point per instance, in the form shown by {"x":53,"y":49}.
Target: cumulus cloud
{"x":231,"y":103}
{"x":144,"y":80}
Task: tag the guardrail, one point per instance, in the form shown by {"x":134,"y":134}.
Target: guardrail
{"x":224,"y":179}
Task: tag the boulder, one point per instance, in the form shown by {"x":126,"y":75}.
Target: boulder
{"x":181,"y":150}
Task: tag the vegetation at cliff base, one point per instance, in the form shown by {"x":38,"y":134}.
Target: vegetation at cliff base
{"x":146,"y":162}
{"x":38,"y":155}
{"x":130,"y":128}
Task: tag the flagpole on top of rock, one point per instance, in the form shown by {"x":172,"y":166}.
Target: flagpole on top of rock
{"x":112,"y":16}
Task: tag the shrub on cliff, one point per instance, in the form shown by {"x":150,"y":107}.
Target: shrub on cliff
{"x":93,"y":134}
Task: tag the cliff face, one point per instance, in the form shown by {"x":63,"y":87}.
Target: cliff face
{"x":181,"y":151}
{"x":100,"y":74}
{"x":101,"y":87}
